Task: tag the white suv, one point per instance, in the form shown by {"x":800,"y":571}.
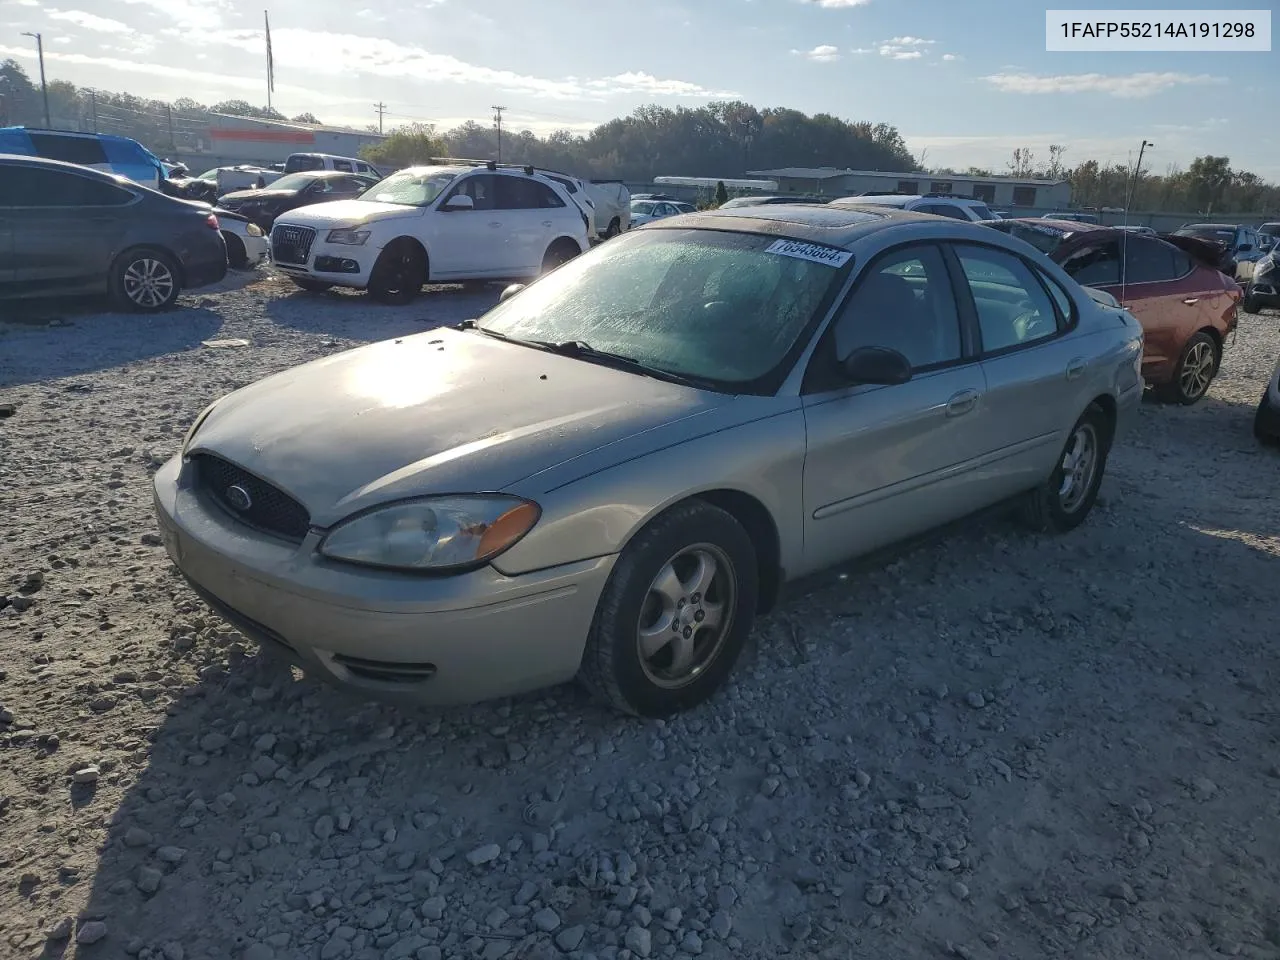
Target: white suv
{"x":438,"y":224}
{"x":939,"y":204}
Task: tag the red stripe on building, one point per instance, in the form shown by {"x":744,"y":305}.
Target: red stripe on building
{"x":263,"y":136}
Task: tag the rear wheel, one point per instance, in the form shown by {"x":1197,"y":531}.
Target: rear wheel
{"x":615,"y":228}
{"x":399,"y":273}
{"x":1063,"y":501}
{"x":675,"y":614}
{"x":145,"y":280}
{"x":1250,"y":303}
{"x":311,"y":286}
{"x":1195,"y":371}
{"x":560,"y":252}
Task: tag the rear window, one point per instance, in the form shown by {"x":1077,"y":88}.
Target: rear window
{"x":83,"y":150}
{"x":299,"y":162}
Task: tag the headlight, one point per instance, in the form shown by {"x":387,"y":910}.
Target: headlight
{"x":433,"y":533}
{"x":348,"y":235}
{"x":199,"y":421}
{"x":253,"y":230}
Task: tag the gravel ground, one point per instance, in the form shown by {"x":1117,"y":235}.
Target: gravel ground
{"x":993,"y":746}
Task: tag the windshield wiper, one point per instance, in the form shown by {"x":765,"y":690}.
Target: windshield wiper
{"x":585,"y":351}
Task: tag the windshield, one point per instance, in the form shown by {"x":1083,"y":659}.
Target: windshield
{"x":642,"y":207}
{"x":713,"y":305}
{"x":1044,"y":238}
{"x":411,"y":188}
{"x":209,"y":175}
{"x":1225,"y":234}
{"x":292,"y":181}
{"x":983,"y":212}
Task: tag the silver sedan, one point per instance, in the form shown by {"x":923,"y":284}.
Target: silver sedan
{"x":610,"y":474}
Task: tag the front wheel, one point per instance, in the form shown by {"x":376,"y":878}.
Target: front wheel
{"x":145,"y":280}
{"x":675,"y":614}
{"x":1195,"y":371}
{"x":615,"y":228}
{"x":1063,"y":501}
{"x":399,"y":274}
{"x":1250,"y":303}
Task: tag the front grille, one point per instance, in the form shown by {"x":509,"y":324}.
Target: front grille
{"x":386,"y":671}
{"x":290,"y":244}
{"x":268,"y":508}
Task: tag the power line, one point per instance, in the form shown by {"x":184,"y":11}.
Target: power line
{"x":381,"y":108}
{"x":497,"y":119}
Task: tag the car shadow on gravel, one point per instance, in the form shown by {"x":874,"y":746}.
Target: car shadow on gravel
{"x":354,"y":315}
{"x":75,"y":345}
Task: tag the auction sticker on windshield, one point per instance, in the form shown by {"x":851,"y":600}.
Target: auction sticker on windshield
{"x":816,"y":252}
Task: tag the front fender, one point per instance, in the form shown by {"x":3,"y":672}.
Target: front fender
{"x":597,"y":514}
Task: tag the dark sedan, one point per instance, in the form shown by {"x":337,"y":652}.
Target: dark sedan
{"x":67,"y":229}
{"x":292,"y":191}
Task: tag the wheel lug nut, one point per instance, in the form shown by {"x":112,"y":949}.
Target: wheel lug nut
{"x":696,"y":597}
{"x":688,"y":632}
{"x":699,"y":616}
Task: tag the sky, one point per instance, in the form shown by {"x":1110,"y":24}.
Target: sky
{"x":964,"y":81}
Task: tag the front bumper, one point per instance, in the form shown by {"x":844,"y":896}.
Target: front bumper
{"x":341,"y":264}
{"x":1264,"y":290}
{"x":256,"y":249}
{"x":398,"y":637}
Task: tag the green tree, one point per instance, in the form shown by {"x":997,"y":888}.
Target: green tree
{"x":722,"y":195}
{"x":307,"y":117}
{"x":406,"y":146}
{"x":19,"y":98}
{"x":1210,"y":177}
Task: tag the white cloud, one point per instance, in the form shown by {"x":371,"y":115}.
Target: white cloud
{"x":191,"y":14}
{"x":639,"y":82}
{"x":820,"y":54}
{"x":89,"y":21}
{"x":839,"y":4}
{"x":861,"y":50}
{"x":61,"y":39}
{"x":910,"y":42}
{"x":897,"y":53}
{"x":949,"y":57}
{"x":1128,"y":86}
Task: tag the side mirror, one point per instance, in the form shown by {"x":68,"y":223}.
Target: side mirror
{"x":1245,"y":247}
{"x":879,"y":365}
{"x":460,"y":202}
{"x":510,"y":291}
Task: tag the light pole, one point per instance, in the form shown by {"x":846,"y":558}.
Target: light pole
{"x":44,"y":87}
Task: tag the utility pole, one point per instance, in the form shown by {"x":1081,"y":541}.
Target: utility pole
{"x":381,"y":108}
{"x":1137,"y":170}
{"x":497,"y":119}
{"x":44,"y":87}
{"x":93,"y":106}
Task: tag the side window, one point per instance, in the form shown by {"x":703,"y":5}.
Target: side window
{"x":1013,"y":308}
{"x":1097,"y":265}
{"x":34,"y":187}
{"x":82,"y":150}
{"x":343,"y":165}
{"x":480,"y":187}
{"x":517,"y":193}
{"x":1066,"y":309}
{"x":949,"y":210}
{"x":547,"y":198}
{"x":905,"y":303}
{"x":1147,"y":261}
{"x":1182,"y":264}
{"x":94,"y":193}
{"x":352,"y":185}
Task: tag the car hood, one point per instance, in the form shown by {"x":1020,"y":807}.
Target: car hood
{"x":349,"y":212}
{"x":443,"y":411}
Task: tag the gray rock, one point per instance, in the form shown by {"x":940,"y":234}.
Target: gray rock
{"x":528,"y":890}
{"x":570,"y":938}
{"x":721,"y":924}
{"x":546,"y":920}
{"x":1121,"y":891}
{"x":137,"y":837}
{"x":876,"y":894}
{"x":975,"y":699}
{"x":259,"y":951}
{"x":91,"y":932}
{"x":60,"y":930}
{"x":323,"y":827}
{"x":485,"y":854}
{"x":692,"y":943}
{"x":170,"y":855}
{"x":213,"y":742}
{"x":149,"y":879}
{"x":638,"y":941}
{"x":959,"y":890}
{"x":433,"y":909}
{"x":89,"y":774}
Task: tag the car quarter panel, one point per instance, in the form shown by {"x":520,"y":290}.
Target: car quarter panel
{"x":593,"y":505}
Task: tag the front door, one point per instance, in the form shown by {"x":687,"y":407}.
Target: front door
{"x":887,"y":462}
{"x":475,"y":243}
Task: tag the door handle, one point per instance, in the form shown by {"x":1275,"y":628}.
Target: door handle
{"x":495,"y":223}
{"x":962,"y":403}
{"x":1075,"y":368}
{"x":1191,"y":301}
{"x":546,"y":223}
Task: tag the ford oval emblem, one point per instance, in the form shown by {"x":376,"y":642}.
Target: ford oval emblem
{"x":239,"y":497}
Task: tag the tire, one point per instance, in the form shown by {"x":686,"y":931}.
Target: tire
{"x":1250,"y":303}
{"x":681,"y":541}
{"x":1063,"y":502}
{"x":1191,"y":377}
{"x":237,"y":257}
{"x":1265,"y":420}
{"x":145,"y":280}
{"x":614,"y":228}
{"x":399,"y":274}
{"x":560,"y":252}
{"x":311,"y":286}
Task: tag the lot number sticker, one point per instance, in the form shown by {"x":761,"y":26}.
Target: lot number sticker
{"x":810,"y":251}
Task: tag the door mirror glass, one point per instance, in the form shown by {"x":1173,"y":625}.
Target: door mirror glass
{"x":879,"y":365}
{"x":460,"y":202}
{"x":510,"y":291}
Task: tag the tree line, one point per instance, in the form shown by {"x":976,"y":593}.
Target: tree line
{"x":725,"y":140}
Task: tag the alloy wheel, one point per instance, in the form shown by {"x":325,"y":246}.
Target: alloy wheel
{"x":1197,"y":370}
{"x":148,"y":282}
{"x":1079,"y":466}
{"x":686,"y":615}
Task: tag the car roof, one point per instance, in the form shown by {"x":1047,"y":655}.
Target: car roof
{"x":1209,"y":226}
{"x":816,"y":223}
{"x":90,"y":172}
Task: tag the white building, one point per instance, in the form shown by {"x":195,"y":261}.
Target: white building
{"x":1002,"y":193}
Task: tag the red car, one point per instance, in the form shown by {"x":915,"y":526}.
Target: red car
{"x":1172,"y":284}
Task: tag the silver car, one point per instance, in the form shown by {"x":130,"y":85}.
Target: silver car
{"x":610,"y":474}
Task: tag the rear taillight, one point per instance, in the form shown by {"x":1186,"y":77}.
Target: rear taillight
{"x":211,"y":222}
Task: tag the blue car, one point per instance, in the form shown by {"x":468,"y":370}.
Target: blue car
{"x":110,"y":154}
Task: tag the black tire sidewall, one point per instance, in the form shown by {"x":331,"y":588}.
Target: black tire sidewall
{"x":377,"y":281}
{"x":127,"y":259}
{"x":1058,"y":518}
{"x":613,"y":636}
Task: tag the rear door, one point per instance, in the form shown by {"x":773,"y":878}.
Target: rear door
{"x":1168,"y":297}
{"x":474,"y":243}
{"x":66,"y":228}
{"x":886,"y":462}
{"x":1036,"y":372}
{"x":530,"y":209}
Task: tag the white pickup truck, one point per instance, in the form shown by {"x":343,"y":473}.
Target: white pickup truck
{"x":612,"y":201}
